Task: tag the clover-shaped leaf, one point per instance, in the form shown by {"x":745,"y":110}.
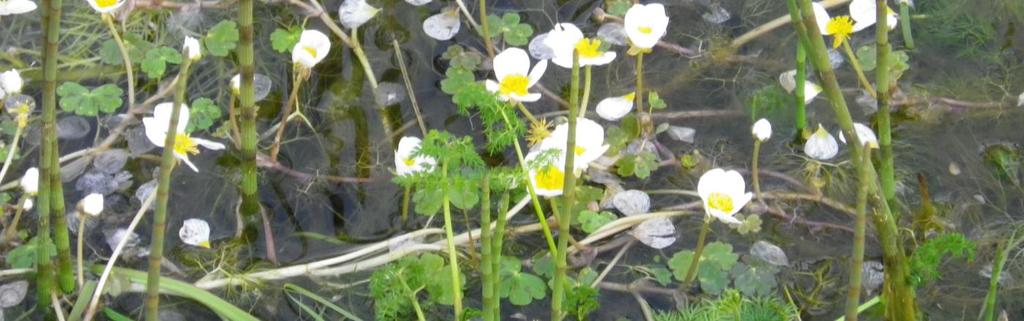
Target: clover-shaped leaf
{"x":283,"y":40}
{"x":440,"y":286}
{"x":222,"y":38}
{"x":459,"y":57}
{"x":428,"y":200}
{"x":521,"y":288}
{"x":655,"y":101}
{"x":509,"y":28}
{"x":155,"y":63}
{"x":712,"y":280}
{"x":754,"y":280}
{"x":202,"y":114}
{"x":456,"y":79}
{"x":463,"y":193}
{"x":721,"y":254}
{"x":590,"y":221}
{"x":137,"y":46}
{"x":82,"y":101}
{"x":639,"y":165}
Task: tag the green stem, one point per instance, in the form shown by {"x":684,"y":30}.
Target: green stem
{"x":65,"y":268}
{"x":754,"y":174}
{"x":300,"y":74}
{"x":864,"y":306}
{"x":405,"y":203}
{"x":884,"y":84}
{"x":857,"y":258}
{"x":452,"y":257}
{"x":997,"y":270}
{"x":12,"y":230}
{"x":801,"y":83}
{"x":908,"y":35}
{"x":51,"y":38}
{"x":80,"y":250}
{"x":855,"y":64}
{"x":639,"y":82}
{"x":167,"y":161}
{"x":486,"y":250}
{"x":125,"y":58}
{"x":527,"y":113}
{"x":248,"y":109}
{"x":412,"y":298}
{"x":691,"y":272}
{"x":496,"y":247}
{"x":485,"y":29}
{"x":585,"y":101}
{"x":10,"y":151}
{"x":533,"y":193}
{"x":569,"y":193}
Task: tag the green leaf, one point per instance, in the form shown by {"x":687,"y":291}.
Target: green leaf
{"x":867,"y":57}
{"x":202,"y":114}
{"x":462,"y":59}
{"x":519,"y":287}
{"x":456,"y":79}
{"x":155,"y":63}
{"x":463,"y":193}
{"x":591,"y":221}
{"x":618,"y":7}
{"x":712,"y":280}
{"x":661,"y":275}
{"x":754,"y":280}
{"x":113,"y":315}
{"x":283,"y":40}
{"x":82,"y":101}
{"x":428,"y":200}
{"x":721,"y":254}
{"x":222,"y":38}
{"x":440,"y":286}
{"x":655,"y":101}
{"x":639,"y":165}
{"x":509,"y":28}
{"x":24,"y":256}
{"x":137,"y":46}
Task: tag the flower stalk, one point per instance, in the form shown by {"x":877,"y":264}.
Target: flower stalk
{"x":855,"y":64}
{"x":755,"y":178}
{"x":533,"y":193}
{"x":569,"y":193}
{"x":108,"y":19}
{"x":908,"y":34}
{"x":453,"y":262}
{"x":691,"y":272}
{"x":167,"y":162}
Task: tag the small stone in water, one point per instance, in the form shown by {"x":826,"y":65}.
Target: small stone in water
{"x":682,"y":134}
{"x":389,"y":93}
{"x":102,"y":183}
{"x":770,"y":253}
{"x":954,"y":168}
{"x":75,"y":168}
{"x":443,"y":25}
{"x":110,"y":161}
{"x":873,"y":275}
{"x":613,"y":33}
{"x":72,"y":127}
{"x":632,"y":202}
{"x":11,"y":294}
{"x":138,"y":143}
{"x":539,"y":50}
{"x":717,"y":15}
{"x":657,"y":233}
{"x":115,"y":236}
{"x":835,"y":58}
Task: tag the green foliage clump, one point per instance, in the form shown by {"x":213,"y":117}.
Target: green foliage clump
{"x":731,"y":306}
{"x":202,"y":113}
{"x":520,"y":287}
{"x":924,"y":263}
{"x":501,"y":126}
{"x":639,"y":165}
{"x":713,"y":266}
{"x":222,"y":38}
{"x":283,"y":40}
{"x":591,"y":221}
{"x":156,"y":60}
{"x":85,"y":102}
{"x":460,"y":182}
{"x":24,"y":256}
{"x":397,"y":285}
{"x":509,"y":28}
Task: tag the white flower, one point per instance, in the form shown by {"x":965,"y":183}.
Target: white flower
{"x":514,"y":76}
{"x":724,"y":194}
{"x":788,"y":82}
{"x":354,"y":13}
{"x":762,"y":129}
{"x":821,"y":145}
{"x":236,"y":84}
{"x":418,"y":2}
{"x":565,"y":38}
{"x":92,"y":204}
{"x":311,"y":49}
{"x":821,"y":18}
{"x":443,"y":25}
{"x":405,"y":162}
{"x":156,"y":131}
{"x":28,"y":204}
{"x":192,"y":46}
{"x":864,"y":15}
{"x":646,"y":24}
{"x":548,"y":179}
{"x":11,"y":7}
{"x":195,"y":232}
{"x":589,"y":141}
{"x":105,"y":6}
{"x":864,"y":134}
{"x":30,"y":181}
{"x":614,"y":108}
{"x":11,"y":81}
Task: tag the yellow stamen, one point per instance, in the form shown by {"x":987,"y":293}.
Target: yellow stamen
{"x":105,"y":3}
{"x":579,"y":150}
{"x":538,"y":132}
{"x":840,"y":28}
{"x":589,"y":48}
{"x":184,"y":145}
{"x":514,"y":84}
{"x":550,"y":178}
{"x":409,"y":161}
{"x":311,"y":51}
{"x":645,"y":30}
{"x":720,"y":201}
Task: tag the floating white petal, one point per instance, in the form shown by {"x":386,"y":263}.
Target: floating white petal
{"x":12,"y":7}
{"x":762,"y":129}
{"x":864,"y":134}
{"x":724,"y":194}
{"x":788,"y":82}
{"x":821,"y":145}
{"x":444,"y":25}
{"x":354,"y":13}
{"x":632,"y":202}
{"x":195,"y":232}
{"x":864,"y":15}
{"x":405,"y":162}
{"x":658,"y":233}
{"x":30,"y":181}
{"x":646,"y":24}
{"x":614,"y":108}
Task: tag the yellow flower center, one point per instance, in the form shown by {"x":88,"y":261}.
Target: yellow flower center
{"x":184,"y":145}
{"x":311,"y":51}
{"x":589,"y":48}
{"x":645,"y":30}
{"x":579,"y":150}
{"x":22,"y":112}
{"x":409,"y":161}
{"x":550,"y":178}
{"x":630,"y":96}
{"x":105,"y":3}
{"x":514,"y":84}
{"x":720,"y":201}
{"x":840,"y":28}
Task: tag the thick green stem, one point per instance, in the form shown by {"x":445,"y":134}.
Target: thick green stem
{"x":246,"y":98}
{"x":884,"y":84}
{"x":899,"y":293}
{"x":908,"y":35}
{"x":61,"y":238}
{"x":801,"y":83}
{"x":489,"y":283}
{"x":691,"y":272}
{"x":569,"y":193}
{"x":860,"y":225}
{"x":51,"y":10}
{"x":452,"y":256}
{"x":754,"y":174}
{"x":855,"y":64}
{"x":496,"y":246}
{"x":163,"y":190}
{"x":997,"y":270}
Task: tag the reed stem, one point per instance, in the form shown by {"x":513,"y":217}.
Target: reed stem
{"x":453,"y":262}
{"x":859,"y":229}
{"x":801,"y":84}
{"x":908,"y":34}
{"x":569,"y":193}
{"x":691,"y":272}
{"x":51,"y":12}
{"x":489,"y":284}
{"x":496,"y":249}
{"x":246,"y":98}
{"x":167,"y":162}
{"x":884,"y":83}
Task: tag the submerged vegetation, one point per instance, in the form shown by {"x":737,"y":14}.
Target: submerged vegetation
{"x":562,"y":160}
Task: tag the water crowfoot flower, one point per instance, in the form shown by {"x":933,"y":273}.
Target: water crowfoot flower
{"x":565,"y":38}
{"x":863,"y":12}
{"x":645,"y":25}
{"x":354,"y":13}
{"x":92,"y":204}
{"x":840,"y":28}
{"x":548,"y":175}
{"x":195,"y":232}
{"x":864,"y":134}
{"x":762,"y":129}
{"x":724,"y":194}
{"x":11,"y":82}
{"x":12,"y":7}
{"x":514,"y":76}
{"x":821,"y":145}
{"x":589,"y":141}
{"x":614,"y":108}
{"x":156,"y":130}
{"x":105,"y":6}
{"x":406,"y":163}
{"x":311,"y":49}
{"x":193,"y":48}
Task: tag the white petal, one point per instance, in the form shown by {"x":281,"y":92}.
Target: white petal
{"x":604,"y":59}
{"x":739,"y":201}
{"x":192,"y":48}
{"x":92,"y":204}
{"x":649,"y":17}
{"x":811,"y":90}
{"x":194,"y":231}
{"x":562,"y":40}
{"x":442,"y":26}
{"x":208,"y":144}
{"x":614,"y":108}
{"x":511,"y":61}
{"x":529,"y":98}
{"x":17,"y":7}
{"x":821,"y":18}
{"x":537,"y":72}
{"x":821,"y":145}
{"x":728,"y":219}
{"x":30,"y":181}
{"x":491,"y":85}
{"x":156,"y":130}
{"x":788,"y":80}
{"x":109,"y":9}
{"x":354,"y":13}
{"x":311,"y":49}
{"x":11,"y":81}
{"x":733,"y":184}
{"x":709,"y":182}
{"x":184,"y":158}
{"x":762,"y":129}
